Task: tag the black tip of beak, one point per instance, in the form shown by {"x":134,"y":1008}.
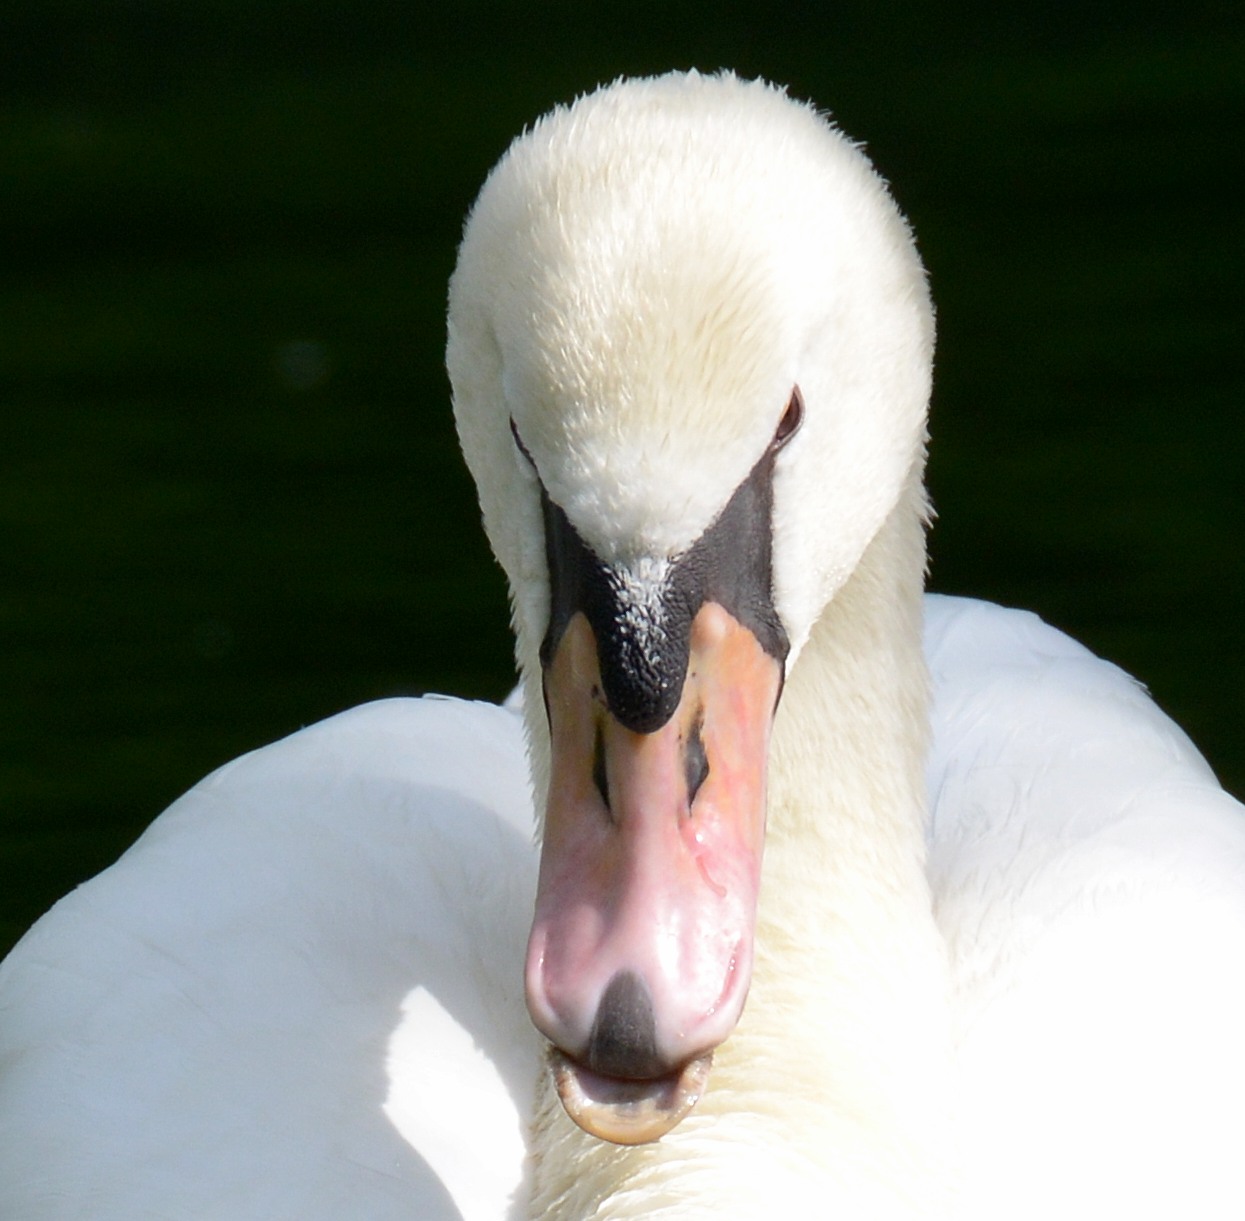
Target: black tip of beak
{"x":623,"y":1042}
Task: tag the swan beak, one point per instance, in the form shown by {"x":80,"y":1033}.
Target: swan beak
{"x":641,"y":949}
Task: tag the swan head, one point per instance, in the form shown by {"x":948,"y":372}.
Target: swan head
{"x":689,"y":345}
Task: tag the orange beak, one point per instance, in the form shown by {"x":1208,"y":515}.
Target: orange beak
{"x":640,"y":954}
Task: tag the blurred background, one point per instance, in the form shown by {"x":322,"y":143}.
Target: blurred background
{"x":230,"y":498}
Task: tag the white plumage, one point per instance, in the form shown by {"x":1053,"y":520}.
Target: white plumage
{"x":300,"y":994}
{"x":214,"y":1027}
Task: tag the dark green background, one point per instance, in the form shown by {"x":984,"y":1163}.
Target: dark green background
{"x":230,"y":501}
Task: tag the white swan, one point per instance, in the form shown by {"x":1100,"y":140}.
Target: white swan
{"x":995,"y":975}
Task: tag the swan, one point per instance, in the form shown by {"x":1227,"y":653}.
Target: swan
{"x":849,"y":900}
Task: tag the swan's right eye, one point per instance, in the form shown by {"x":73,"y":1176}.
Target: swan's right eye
{"x":791,"y":420}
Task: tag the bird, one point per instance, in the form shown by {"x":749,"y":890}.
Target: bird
{"x":779,"y":887}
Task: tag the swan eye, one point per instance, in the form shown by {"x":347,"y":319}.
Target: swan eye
{"x":518,"y":440}
{"x":791,"y":420}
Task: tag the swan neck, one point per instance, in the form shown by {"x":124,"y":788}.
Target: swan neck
{"x":851,"y":734}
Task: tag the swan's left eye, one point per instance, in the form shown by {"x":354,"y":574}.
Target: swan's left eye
{"x":518,"y":440}
{"x":791,"y":420}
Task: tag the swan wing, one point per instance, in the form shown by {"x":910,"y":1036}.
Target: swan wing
{"x":1089,"y":879}
{"x":298,"y":995}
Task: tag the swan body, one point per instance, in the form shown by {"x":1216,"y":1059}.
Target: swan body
{"x":298,"y":1040}
{"x":995,"y":948}
{"x":214,"y":1027}
{"x":156,"y":1028}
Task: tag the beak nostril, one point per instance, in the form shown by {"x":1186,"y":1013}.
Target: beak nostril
{"x":599,"y":775}
{"x":695,"y":762}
